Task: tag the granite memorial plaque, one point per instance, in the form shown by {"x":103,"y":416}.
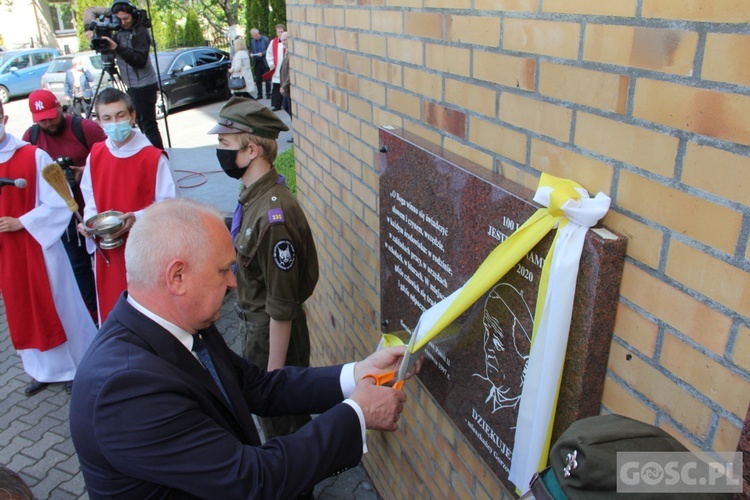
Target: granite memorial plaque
{"x":440,"y":217}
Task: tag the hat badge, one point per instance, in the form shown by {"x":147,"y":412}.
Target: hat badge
{"x":572,"y":463}
{"x":39,"y":105}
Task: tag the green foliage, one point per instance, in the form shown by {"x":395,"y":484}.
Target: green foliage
{"x":160,"y":30}
{"x":193,"y":31}
{"x":277,"y":15}
{"x":81,"y":6}
{"x":256,"y":16}
{"x":170,"y":31}
{"x":285,"y":166}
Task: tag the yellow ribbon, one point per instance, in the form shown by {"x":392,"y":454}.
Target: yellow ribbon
{"x":507,"y":254}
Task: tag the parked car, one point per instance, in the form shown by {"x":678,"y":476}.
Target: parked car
{"x":21,"y":71}
{"x":189,"y":75}
{"x":54,"y":79}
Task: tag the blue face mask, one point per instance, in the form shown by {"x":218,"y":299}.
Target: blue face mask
{"x":118,"y":131}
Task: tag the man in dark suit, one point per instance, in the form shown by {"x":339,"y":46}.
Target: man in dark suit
{"x":151,"y":419}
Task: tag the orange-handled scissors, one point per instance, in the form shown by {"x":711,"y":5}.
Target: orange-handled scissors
{"x":406,"y":363}
{"x":385,"y":379}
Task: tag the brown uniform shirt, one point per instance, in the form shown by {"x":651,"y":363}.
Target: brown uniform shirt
{"x":277,"y":264}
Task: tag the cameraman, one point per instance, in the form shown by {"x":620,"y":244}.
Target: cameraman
{"x":130,"y":44}
{"x":62,"y":135}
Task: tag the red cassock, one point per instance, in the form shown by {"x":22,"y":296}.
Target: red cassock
{"x":32,"y":318}
{"x":126,"y":185}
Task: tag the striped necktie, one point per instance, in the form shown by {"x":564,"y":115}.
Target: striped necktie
{"x":200,"y":349}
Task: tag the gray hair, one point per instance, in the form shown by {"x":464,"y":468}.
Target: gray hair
{"x":169,"y":229}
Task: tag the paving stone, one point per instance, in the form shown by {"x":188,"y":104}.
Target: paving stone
{"x":40,"y":447}
{"x":14,"y":413}
{"x":41,"y":468}
{"x":72,"y":465}
{"x":65,"y":446}
{"x":37,"y":431}
{"x":53,"y":479}
{"x":75,"y":487}
{"x":20,"y":462}
{"x":15,"y":446}
{"x":16,"y":427}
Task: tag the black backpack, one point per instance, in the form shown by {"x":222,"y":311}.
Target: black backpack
{"x":76,"y":126}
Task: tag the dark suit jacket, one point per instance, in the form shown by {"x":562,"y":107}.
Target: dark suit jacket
{"x":148,"y":421}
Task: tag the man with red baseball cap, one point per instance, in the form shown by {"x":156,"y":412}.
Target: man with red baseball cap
{"x":68,"y":140}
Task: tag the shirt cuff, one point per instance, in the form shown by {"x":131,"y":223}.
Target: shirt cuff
{"x":362,"y":427}
{"x":348,"y":384}
{"x":346,"y":379}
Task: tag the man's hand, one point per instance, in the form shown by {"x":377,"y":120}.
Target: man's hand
{"x":129,"y":219}
{"x":112,"y":43}
{"x":10,"y":224}
{"x":381,"y":406}
{"x":281,"y":89}
{"x":83,"y":230}
{"x":271,"y":67}
{"x":385,"y":360}
{"x":78,"y":171}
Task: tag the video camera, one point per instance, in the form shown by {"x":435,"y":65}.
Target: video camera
{"x":65,"y":163}
{"x":103,"y":26}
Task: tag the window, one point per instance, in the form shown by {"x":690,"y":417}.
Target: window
{"x":40,"y":58}
{"x":19,"y":62}
{"x":184,"y":62}
{"x":63,"y":16}
{"x":208,"y":57}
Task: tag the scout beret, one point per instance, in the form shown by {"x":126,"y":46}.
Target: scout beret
{"x":594,"y":443}
{"x":241,"y":114}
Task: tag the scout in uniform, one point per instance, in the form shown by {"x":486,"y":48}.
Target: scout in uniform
{"x":277,"y":264}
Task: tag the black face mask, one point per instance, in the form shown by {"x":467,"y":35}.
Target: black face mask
{"x":228,"y":161}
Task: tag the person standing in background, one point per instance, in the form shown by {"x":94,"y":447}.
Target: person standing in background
{"x":78,"y":88}
{"x":124,"y":173}
{"x":274,"y":57}
{"x":65,"y":136}
{"x":131,"y":44}
{"x":48,"y":322}
{"x":286,"y":84}
{"x":241,"y":68}
{"x":258,"y":48}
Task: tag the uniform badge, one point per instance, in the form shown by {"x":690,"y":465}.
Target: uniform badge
{"x":284,"y":254}
{"x":275,"y":216}
{"x":248,"y":232}
{"x":572,"y":459}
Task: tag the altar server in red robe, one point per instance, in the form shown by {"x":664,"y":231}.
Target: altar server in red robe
{"x":124,"y":173}
{"x":47,"y":318}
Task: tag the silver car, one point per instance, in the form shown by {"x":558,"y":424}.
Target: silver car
{"x":54,"y":79}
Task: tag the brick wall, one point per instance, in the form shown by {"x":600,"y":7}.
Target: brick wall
{"x":646,"y":100}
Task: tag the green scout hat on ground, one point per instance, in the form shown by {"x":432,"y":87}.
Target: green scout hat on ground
{"x":241,"y":114}
{"x":583,"y":461}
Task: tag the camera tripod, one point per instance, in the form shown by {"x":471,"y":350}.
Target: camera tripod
{"x":108,"y":67}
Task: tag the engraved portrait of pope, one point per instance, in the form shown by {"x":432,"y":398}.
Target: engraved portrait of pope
{"x":508,"y":324}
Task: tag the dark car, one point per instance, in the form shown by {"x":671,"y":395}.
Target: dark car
{"x":189,"y":75}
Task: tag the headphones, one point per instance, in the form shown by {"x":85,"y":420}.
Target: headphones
{"x":123,"y":5}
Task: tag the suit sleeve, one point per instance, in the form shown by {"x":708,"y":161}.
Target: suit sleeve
{"x":156,"y":428}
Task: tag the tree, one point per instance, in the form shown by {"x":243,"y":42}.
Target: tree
{"x":170,"y":31}
{"x":81,"y":6}
{"x":256,"y":16}
{"x":193,"y":31}
{"x":160,"y":31}
{"x":277,"y":15}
